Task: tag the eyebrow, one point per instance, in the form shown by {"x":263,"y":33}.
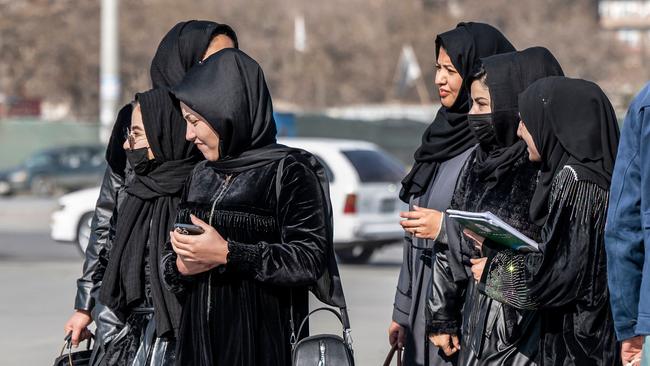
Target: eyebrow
{"x":479,"y":98}
{"x":136,"y":128}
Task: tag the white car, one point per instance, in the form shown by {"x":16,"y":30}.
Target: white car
{"x":364,"y":187}
{"x":71,"y":222}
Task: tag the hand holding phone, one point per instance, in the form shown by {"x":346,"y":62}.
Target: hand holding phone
{"x":188,"y":229}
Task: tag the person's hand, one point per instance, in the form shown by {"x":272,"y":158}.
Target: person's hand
{"x":477,"y":239}
{"x":422,"y":222}
{"x":448,"y":343}
{"x":188,"y":267}
{"x":396,"y":334}
{"x":199,"y":253}
{"x":631,"y":349}
{"x":78,"y":326}
{"x":478,"y":264}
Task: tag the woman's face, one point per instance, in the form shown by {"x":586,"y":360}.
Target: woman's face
{"x":448,"y":79}
{"x":480,"y":94}
{"x":201,"y":134}
{"x":136,"y":137}
{"x":533,"y":153}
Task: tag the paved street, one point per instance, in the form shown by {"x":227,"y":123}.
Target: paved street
{"x":37,"y":285}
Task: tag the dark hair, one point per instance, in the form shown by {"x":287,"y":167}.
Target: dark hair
{"x":226,"y":30}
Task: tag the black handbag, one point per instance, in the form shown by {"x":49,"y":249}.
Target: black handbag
{"x":69,"y":358}
{"x":323,"y":349}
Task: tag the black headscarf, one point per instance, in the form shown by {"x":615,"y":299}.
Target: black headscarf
{"x":507,"y":75}
{"x":449,"y":135}
{"x":148,"y":212}
{"x":572,"y":123}
{"x":115,"y":155}
{"x":180,"y":49}
{"x":229,"y":90}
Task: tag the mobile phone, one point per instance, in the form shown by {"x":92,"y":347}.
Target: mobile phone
{"x":188,"y":229}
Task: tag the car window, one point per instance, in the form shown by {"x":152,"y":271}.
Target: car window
{"x":39,"y":161}
{"x":72,"y":160}
{"x":375,"y":166}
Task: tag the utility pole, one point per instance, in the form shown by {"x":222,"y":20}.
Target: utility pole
{"x":109,"y":89}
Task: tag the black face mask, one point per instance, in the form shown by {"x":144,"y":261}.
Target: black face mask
{"x":140,"y":162}
{"x":483,"y":128}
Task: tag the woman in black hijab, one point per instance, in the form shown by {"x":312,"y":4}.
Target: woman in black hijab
{"x":569,"y":127}
{"x":498,"y":178}
{"x":185,"y":45}
{"x":266,"y":217}
{"x":428,"y":188}
{"x":161,"y":160}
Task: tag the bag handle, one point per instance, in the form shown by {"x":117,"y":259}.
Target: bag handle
{"x":391,"y":354}
{"x":343,"y":316}
{"x":67,"y":342}
{"x":304,"y":321}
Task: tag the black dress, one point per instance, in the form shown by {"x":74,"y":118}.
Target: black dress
{"x":239,"y":314}
{"x":567,"y":281}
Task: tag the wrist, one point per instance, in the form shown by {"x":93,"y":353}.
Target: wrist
{"x":223,"y":255}
{"x":82,"y":311}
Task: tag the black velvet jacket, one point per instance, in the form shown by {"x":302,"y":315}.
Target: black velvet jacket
{"x":276,"y":250}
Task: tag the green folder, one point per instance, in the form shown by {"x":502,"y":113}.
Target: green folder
{"x":488,"y":225}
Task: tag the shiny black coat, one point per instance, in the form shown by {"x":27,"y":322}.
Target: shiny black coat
{"x":99,"y":237}
{"x":492,"y":333}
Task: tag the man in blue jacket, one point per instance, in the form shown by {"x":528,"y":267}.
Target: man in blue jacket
{"x":627,"y":234}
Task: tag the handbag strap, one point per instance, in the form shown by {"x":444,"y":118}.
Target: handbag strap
{"x":343,"y":317}
{"x":67,"y":342}
{"x":304,"y":321}
{"x":391,"y":354}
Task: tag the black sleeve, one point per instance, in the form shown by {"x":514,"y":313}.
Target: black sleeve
{"x":445,"y":301}
{"x":555,"y":276}
{"x":100,"y":228}
{"x":449,"y":276}
{"x":299,"y":258}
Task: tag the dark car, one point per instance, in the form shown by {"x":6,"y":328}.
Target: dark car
{"x":56,"y":170}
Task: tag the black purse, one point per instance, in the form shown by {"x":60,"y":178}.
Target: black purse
{"x":69,"y":358}
{"x":323,"y":349}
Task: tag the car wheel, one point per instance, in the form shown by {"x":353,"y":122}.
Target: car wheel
{"x":42,"y":186}
{"x":355,"y":255}
{"x":83,"y":232}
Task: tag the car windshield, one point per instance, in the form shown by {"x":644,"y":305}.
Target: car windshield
{"x":375,"y":166}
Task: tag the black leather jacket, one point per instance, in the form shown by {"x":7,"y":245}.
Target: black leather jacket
{"x":99,"y":239}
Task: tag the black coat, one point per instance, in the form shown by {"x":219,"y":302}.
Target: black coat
{"x":276,"y":250}
{"x":567,"y":282}
{"x":492,"y":333}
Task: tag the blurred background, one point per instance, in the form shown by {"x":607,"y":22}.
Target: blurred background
{"x":352,"y":81}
